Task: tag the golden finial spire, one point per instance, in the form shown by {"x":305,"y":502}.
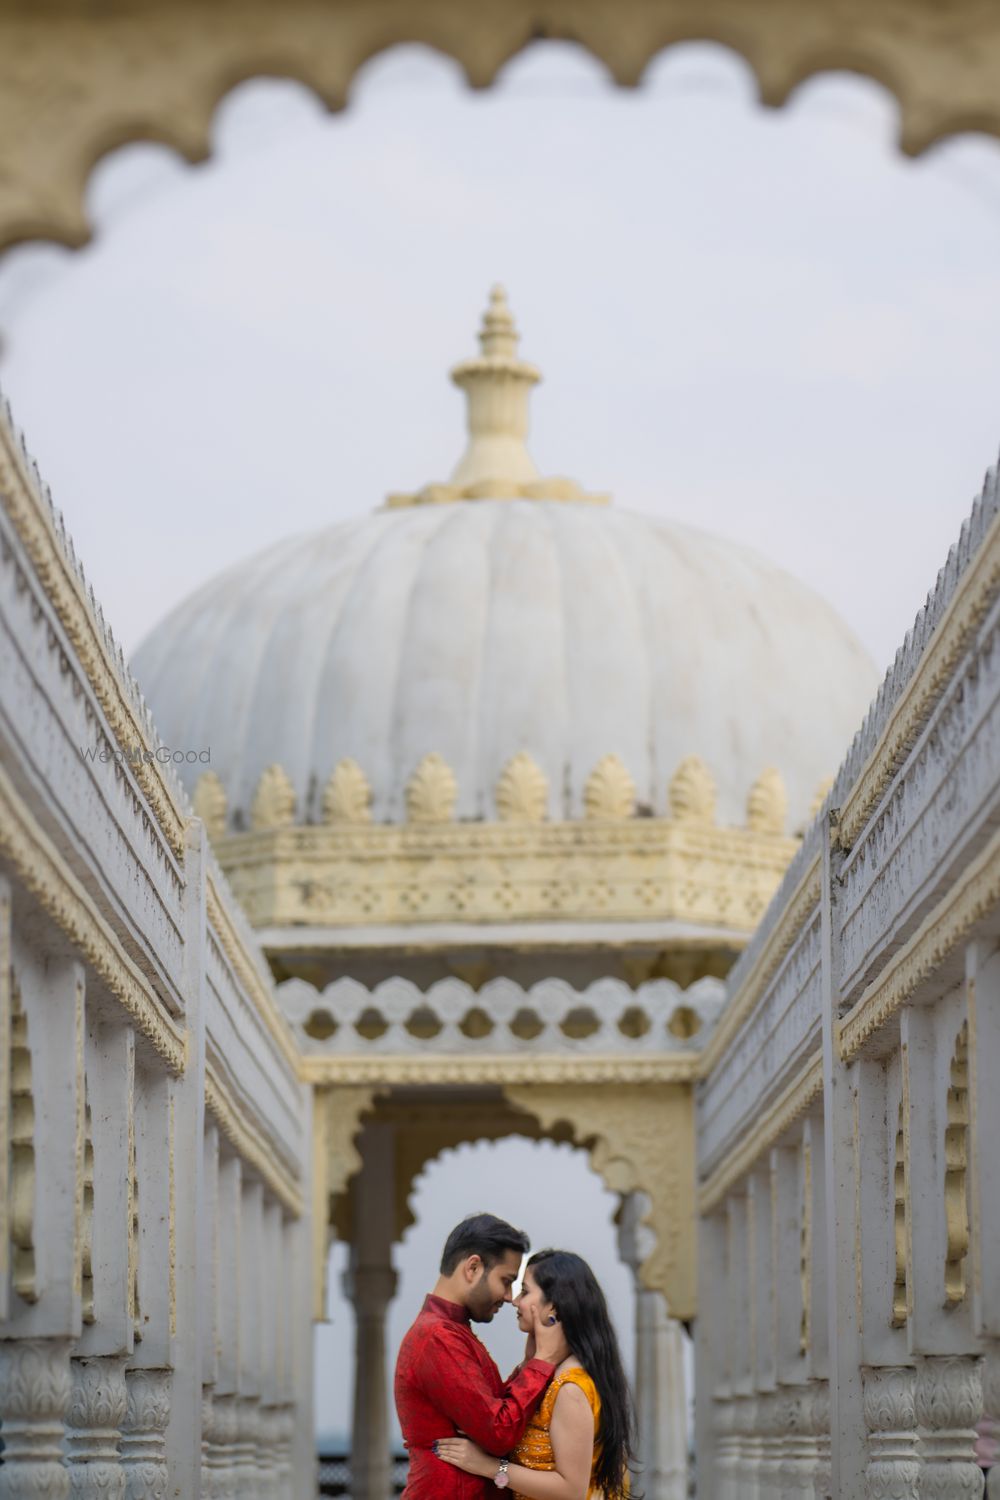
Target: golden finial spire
{"x":497,"y":385}
{"x":496,"y":464}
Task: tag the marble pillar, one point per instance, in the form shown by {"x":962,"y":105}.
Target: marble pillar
{"x":893,"y":1471}
{"x":144,"y":1434}
{"x":370,"y":1283}
{"x":36,"y":1389}
{"x":948,"y":1405}
{"x":93,"y":1433}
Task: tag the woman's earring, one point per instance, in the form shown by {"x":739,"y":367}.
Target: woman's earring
{"x":551,"y":1320}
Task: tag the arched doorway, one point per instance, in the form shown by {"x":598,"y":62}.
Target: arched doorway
{"x":404,"y":1131}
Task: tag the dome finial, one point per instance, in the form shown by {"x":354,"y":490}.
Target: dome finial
{"x":497,"y":385}
{"x":498,"y":336}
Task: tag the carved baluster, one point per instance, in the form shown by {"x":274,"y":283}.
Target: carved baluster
{"x":821,"y":1434}
{"x":245,"y":1448}
{"x":893,"y":1471}
{"x":991,"y":1405}
{"x":949,"y":1403}
{"x":144,"y":1453}
{"x":223,"y":1454}
{"x":93,"y":1434}
{"x":35,"y":1393}
{"x":268,"y":1421}
{"x":770,"y":1410}
{"x":727,"y":1450}
{"x":798,"y":1463}
{"x":286,"y":1438}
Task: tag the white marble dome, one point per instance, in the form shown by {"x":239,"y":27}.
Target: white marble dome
{"x":480,"y":627}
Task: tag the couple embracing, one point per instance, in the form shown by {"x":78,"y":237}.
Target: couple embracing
{"x":561,"y":1427}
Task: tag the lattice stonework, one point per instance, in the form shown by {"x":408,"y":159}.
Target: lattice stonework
{"x":956,"y":1151}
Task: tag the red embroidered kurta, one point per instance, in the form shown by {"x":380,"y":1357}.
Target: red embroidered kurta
{"x":447,"y":1383}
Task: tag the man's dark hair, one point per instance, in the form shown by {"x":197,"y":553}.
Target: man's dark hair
{"x":484,"y":1235}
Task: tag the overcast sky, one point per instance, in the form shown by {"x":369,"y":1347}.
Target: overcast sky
{"x":767,"y":324}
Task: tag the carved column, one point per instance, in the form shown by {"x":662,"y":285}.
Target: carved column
{"x":35,"y":1394}
{"x":371,"y":1289}
{"x":770,"y":1417}
{"x":221,"y":1456}
{"x":747,"y":1448}
{"x":93,"y":1435}
{"x":660,"y":1388}
{"x":727,"y":1454}
{"x":893,"y":1471}
{"x":949,"y":1403}
{"x":798,"y":1459}
{"x":991,"y":1405}
{"x":247,"y":1439}
{"x":283,"y":1452}
{"x":144,"y":1435}
{"x":820,"y":1424}
{"x":268,"y":1437}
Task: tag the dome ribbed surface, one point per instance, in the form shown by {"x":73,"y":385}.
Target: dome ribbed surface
{"x":480,"y":629}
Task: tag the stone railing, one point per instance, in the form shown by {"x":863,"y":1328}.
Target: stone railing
{"x":849,"y":1181}
{"x":154,"y":1134}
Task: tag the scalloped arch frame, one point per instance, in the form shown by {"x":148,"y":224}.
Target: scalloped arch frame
{"x":77,"y":81}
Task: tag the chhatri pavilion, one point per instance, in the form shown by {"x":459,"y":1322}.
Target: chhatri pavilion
{"x":519,"y":821}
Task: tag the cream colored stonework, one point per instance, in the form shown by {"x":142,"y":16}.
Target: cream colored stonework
{"x":77,"y":81}
{"x":632,"y":869}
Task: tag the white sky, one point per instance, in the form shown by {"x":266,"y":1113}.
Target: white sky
{"x":768,"y":324}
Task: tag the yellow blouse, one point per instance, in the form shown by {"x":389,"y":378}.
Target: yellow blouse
{"x":534,"y":1451}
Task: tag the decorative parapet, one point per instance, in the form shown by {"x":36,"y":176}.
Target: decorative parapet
{"x":634,"y":869}
{"x":396,"y":1018}
{"x":42,"y":532}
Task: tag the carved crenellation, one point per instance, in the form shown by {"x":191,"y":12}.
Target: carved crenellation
{"x":893,"y":1442}
{"x":21,"y":1180}
{"x":691,"y":795}
{"x":956,"y":1190}
{"x":93,"y":1433}
{"x":143,"y":1448}
{"x":273,"y":803}
{"x":767,"y":803}
{"x":347,"y":796}
{"x":431,"y":792}
{"x":610,"y":791}
{"x":36,"y":1389}
{"x":949,"y":1404}
{"x":208,"y":801}
{"x":522,"y":791}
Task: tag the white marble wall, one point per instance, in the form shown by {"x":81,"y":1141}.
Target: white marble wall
{"x":849,"y":1339}
{"x":153,"y":1130}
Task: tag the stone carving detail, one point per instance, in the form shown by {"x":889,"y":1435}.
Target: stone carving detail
{"x":691,"y":794}
{"x":522,"y":791}
{"x":899,"y":1290}
{"x":956,"y":1151}
{"x":626,"y":1132}
{"x":799,"y":1450}
{"x":35,"y":1394}
{"x":22,"y":1146}
{"x":949,"y":1404}
{"x":274,"y":800}
{"x":209,"y":803}
{"x":893,"y":1471}
{"x":767,"y":803}
{"x":144,"y":1450}
{"x":247,"y":1439}
{"x":219,"y":1450}
{"x":431,"y":792}
{"x":609,"y":794}
{"x":348,"y":1018}
{"x":347,"y":796}
{"x":97,"y":1411}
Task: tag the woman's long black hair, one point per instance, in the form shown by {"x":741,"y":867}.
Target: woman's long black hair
{"x":571,"y":1286}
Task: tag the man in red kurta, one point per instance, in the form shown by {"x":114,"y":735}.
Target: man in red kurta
{"x":445,"y":1380}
